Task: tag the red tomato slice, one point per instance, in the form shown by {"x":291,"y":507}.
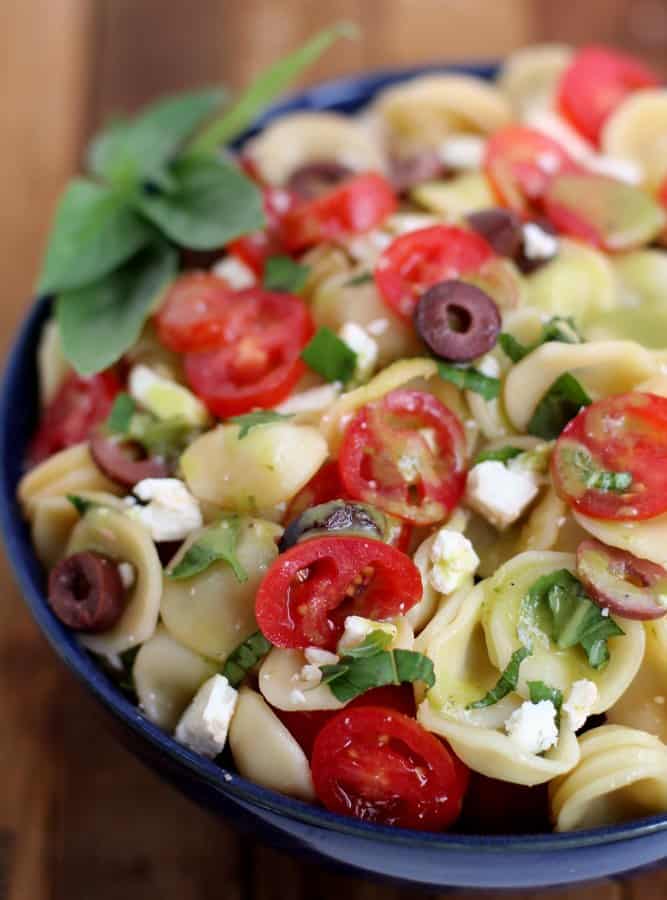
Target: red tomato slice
{"x":305,"y":726}
{"x":254,"y":249}
{"x":595,"y":83}
{"x":326,"y":485}
{"x":193,"y":313}
{"x":520,"y":163}
{"x":78,"y":406}
{"x":623,"y":433}
{"x":405,"y":455}
{"x":309,"y":591}
{"x":383,"y":767}
{"x":354,"y":207}
{"x":256,"y":362}
{"x":416,"y":261}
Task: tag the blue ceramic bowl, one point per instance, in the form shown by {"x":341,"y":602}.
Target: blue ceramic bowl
{"x":433,"y":860}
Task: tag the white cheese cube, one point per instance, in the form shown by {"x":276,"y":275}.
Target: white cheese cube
{"x":310,"y":675}
{"x":453,"y":559}
{"x":532,"y":727}
{"x":462,"y":151}
{"x":365,"y":347}
{"x":204,"y":725}
{"x":165,"y":398}
{"x":171,"y":512}
{"x":538,"y":243}
{"x":235,"y":272}
{"x":580,"y":702}
{"x":489,"y":365}
{"x":357,"y":630}
{"x":499,"y":494}
{"x":318,"y":657}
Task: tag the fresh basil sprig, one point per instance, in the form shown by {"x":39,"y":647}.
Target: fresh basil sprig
{"x":559,"y":328}
{"x":568,"y":615}
{"x":159,"y":437}
{"x":253,"y":419}
{"x":330,"y":356}
{"x":371,"y":665}
{"x":282,"y":273}
{"x":245,"y":657}
{"x":215,"y":544}
{"x":538,"y":691}
{"x":470,"y":379}
{"x":507,"y":682}
{"x":558,"y":406}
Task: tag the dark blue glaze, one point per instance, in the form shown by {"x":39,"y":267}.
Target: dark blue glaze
{"x":434,"y":860}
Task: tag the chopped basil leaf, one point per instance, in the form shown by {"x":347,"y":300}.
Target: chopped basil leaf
{"x":558,"y":328}
{"x":121,"y":414}
{"x":245,"y":657}
{"x":502,"y":454}
{"x":506,"y":683}
{"x":361,"y":278}
{"x":80,"y":504}
{"x":282,"y":273}
{"x":470,"y":379}
{"x":127,"y":659}
{"x":160,"y":437}
{"x":558,"y":406}
{"x":512,"y":348}
{"x":370,"y":665}
{"x":598,"y":479}
{"x":253,"y":419}
{"x":216,"y":543}
{"x":541,"y":691}
{"x":570,"y":617}
{"x":330,"y":356}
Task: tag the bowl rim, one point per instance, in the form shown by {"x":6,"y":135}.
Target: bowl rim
{"x":19,"y":377}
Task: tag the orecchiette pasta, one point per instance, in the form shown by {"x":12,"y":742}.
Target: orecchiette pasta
{"x":644,"y":703}
{"x":52,"y":367}
{"x":53,"y":520}
{"x":529,"y":76}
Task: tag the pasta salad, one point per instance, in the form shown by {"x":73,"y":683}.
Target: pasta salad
{"x":351,"y":467}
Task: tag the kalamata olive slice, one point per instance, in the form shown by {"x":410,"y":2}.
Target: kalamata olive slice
{"x":501,"y":228}
{"x":124,"y":462}
{"x":337,"y":516}
{"x":620,"y":582}
{"x":406,"y":172}
{"x":458,"y":321}
{"x":86,"y":592}
{"x":316,"y":178}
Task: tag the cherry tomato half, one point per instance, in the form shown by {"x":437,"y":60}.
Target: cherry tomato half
{"x":305,"y":726}
{"x":193,"y":313}
{"x":256,"y":362}
{"x":416,"y":261}
{"x":626,"y":433}
{"x":383,"y":767}
{"x":77,"y":407}
{"x":356,"y":206}
{"x":254,"y":249}
{"x":310,"y":589}
{"x":520,"y":163}
{"x":405,"y":455}
{"x":595,"y":83}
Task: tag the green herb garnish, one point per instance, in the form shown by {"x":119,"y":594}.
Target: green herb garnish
{"x":159,"y":437}
{"x":281,"y":273}
{"x":506,"y":683}
{"x":217,"y":543}
{"x":502,"y":454}
{"x":121,"y":414}
{"x":560,"y":404}
{"x":361,"y":278}
{"x":470,"y":379}
{"x":245,"y":657}
{"x":558,"y":328}
{"x":330,"y":356}
{"x":253,"y":419}
{"x":538,"y":691}
{"x":80,"y":504}
{"x":598,"y":479}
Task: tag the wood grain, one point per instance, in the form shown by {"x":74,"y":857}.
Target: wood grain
{"x":79,"y":818}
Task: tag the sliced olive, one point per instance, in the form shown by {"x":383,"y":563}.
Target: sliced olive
{"x":337,"y":516}
{"x":620,"y":582}
{"x":458,"y":321}
{"x":86,"y":592}
{"x":501,"y":228}
{"x":125,"y":461}
{"x":407,"y":172}
{"x":316,"y":178}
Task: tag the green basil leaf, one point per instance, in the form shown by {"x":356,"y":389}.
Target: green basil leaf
{"x":560,"y":404}
{"x":511,"y":347}
{"x":558,"y":328}
{"x":541,"y":691}
{"x":121,"y":414}
{"x":141,"y":147}
{"x":253,"y":419}
{"x":245,"y":657}
{"x":330,"y":356}
{"x":470,"y":379}
{"x":506,"y":683}
{"x":412,"y":666}
{"x":375,"y":643}
{"x":80,"y":504}
{"x":215,"y":544}
{"x":126,"y":681}
{"x":213,"y":203}
{"x":161,"y":437}
{"x":595,"y":478}
{"x":98,"y":323}
{"x":267,"y":86}
{"x":282,"y":273}
{"x":570,"y":617}
{"x":94,"y":231}
{"x":502,"y":454}
{"x":361,"y":278}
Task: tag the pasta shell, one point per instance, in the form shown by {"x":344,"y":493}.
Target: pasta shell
{"x":53,"y":521}
{"x":282,"y":686}
{"x":644,"y":704}
{"x":637,"y":131}
{"x":646,"y":539}
{"x":52,"y":367}
{"x":456,"y":197}
{"x":529,"y":77}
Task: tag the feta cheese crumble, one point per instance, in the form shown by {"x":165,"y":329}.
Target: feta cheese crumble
{"x":318,"y":657}
{"x":357,"y":630}
{"x":204,"y":725}
{"x":165,"y":398}
{"x":532,"y":727}
{"x":538,"y":243}
{"x":499,"y":494}
{"x":462,"y":151}
{"x":580,"y":702}
{"x":235,"y":272}
{"x":171,"y":512}
{"x":453,"y":558}
{"x":365,"y":347}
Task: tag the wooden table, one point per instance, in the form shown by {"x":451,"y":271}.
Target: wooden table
{"x":79,"y":817}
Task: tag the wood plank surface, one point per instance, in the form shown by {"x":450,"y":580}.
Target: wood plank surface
{"x":79,"y":817}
